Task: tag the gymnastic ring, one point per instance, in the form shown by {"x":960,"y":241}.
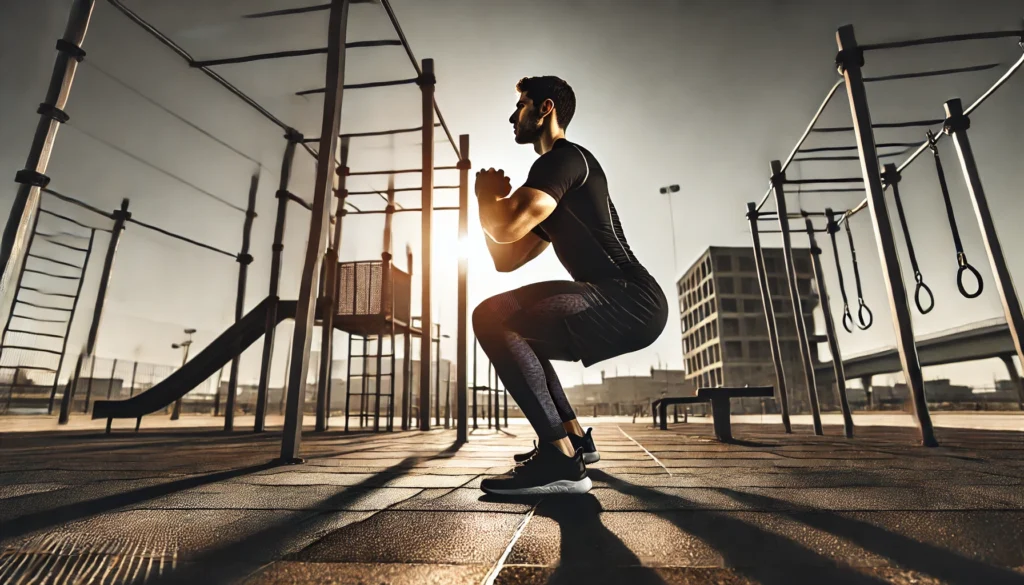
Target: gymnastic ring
{"x":965,"y":267}
{"x":860,"y":316}
{"x":921,"y":286}
{"x":847,"y":319}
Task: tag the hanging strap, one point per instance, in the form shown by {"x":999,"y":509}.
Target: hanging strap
{"x":894,"y":181}
{"x":832,"y":228}
{"x":862,"y":306}
{"x":961,"y":257}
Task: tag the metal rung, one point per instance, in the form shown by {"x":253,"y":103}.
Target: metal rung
{"x":54,"y":335}
{"x":46,"y":238}
{"x":63,"y":234}
{"x":36,"y":368}
{"x":38,"y":306}
{"x":34,"y":271}
{"x":48,"y":293}
{"x":38,"y":319}
{"x":24,"y":348}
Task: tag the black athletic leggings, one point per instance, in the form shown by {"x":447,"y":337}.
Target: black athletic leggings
{"x":521,"y":331}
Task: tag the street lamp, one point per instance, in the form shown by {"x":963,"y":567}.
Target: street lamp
{"x":669,"y":190}
{"x":176,"y":413}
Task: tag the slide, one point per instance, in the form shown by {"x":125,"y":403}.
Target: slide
{"x":232,"y":342}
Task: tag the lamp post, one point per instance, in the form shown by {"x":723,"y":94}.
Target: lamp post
{"x":669,"y":190}
{"x":176,"y":413}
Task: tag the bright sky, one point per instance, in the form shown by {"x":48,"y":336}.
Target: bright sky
{"x":703,"y":94}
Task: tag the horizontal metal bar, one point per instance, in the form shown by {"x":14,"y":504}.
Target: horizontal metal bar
{"x":943,"y":39}
{"x":49,"y":307}
{"x":817,"y":231}
{"x":26,"y":348}
{"x":854,"y":147}
{"x":810,"y":126}
{"x":360,"y":86}
{"x":828,"y":180}
{"x":836,"y":190}
{"x":78,"y":202}
{"x":403,"y":189}
{"x":774,"y":215}
{"x":288,"y":11}
{"x":48,"y":293}
{"x":913,"y":124}
{"x":398,"y":172}
{"x":934,"y":73}
{"x":48,"y":239}
{"x":39,"y":319}
{"x":840,"y":158}
{"x":377,"y":133}
{"x":33,"y":368}
{"x":51,"y":275}
{"x":404,"y":209}
{"x":61,"y":262}
{"x":70,"y":220}
{"x":62,"y":234}
{"x":293,"y":53}
{"x":182,"y":238}
{"x":54,"y":335}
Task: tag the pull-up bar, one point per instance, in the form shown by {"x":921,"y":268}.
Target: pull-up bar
{"x":435,"y":187}
{"x":361,"y":86}
{"x":827,"y":180}
{"x":375,"y":133}
{"x":944,"y":39}
{"x":401,"y":171}
{"x":936,"y":73}
{"x":77,"y":202}
{"x":287,"y":54}
{"x":182,"y":238}
{"x":854,"y":147}
{"x":399,"y":210}
{"x":911,"y":124}
{"x":840,"y":158}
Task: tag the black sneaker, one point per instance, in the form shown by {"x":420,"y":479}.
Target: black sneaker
{"x":586,"y":442}
{"x":547,"y":472}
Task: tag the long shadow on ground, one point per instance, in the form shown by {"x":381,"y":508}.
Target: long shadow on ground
{"x":738,"y":542}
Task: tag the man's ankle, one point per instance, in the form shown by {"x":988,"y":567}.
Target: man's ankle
{"x":573,"y":427}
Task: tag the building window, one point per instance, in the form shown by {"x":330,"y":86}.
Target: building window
{"x":774,"y":285}
{"x":804,"y":286}
{"x":733,"y":349}
{"x":730,"y":327}
{"x":726,"y":286}
{"x":715,"y":353}
{"x":725,"y":263}
{"x":714,"y":329}
{"x":801,"y":265}
{"x":747,"y":264}
{"x":718,"y":376}
{"x":770,"y":265}
{"x":727,"y":305}
{"x":748,"y":286}
{"x":752,"y":306}
{"x":752,"y":325}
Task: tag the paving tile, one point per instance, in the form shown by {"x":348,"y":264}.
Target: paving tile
{"x":305,"y":497}
{"x":417,"y":537}
{"x":467,"y":500}
{"x":369,"y":574}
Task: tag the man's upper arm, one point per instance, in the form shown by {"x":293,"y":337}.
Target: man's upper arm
{"x":557,"y":172}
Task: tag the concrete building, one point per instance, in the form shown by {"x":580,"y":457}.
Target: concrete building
{"x":725,"y":336}
{"x":621,"y":395}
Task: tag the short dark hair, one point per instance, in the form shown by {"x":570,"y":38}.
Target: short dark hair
{"x":552,"y":88}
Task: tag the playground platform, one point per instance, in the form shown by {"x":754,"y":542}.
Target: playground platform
{"x":197,"y":505}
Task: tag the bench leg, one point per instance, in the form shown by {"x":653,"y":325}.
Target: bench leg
{"x":663,"y":413}
{"x":138,"y":423}
{"x":720,"y":416}
{"x":654,"y":413}
{"x":109,"y":420}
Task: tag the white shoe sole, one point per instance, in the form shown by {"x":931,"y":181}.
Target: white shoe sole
{"x":589,"y":458}
{"x":564,"y":486}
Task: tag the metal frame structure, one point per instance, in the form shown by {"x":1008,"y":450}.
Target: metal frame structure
{"x":850,"y":61}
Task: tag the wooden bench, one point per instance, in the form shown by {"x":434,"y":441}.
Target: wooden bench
{"x":720,"y":407}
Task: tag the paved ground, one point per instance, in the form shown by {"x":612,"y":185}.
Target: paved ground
{"x":199,"y":506}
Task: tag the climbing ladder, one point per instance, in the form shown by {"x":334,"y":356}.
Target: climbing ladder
{"x":367,"y":384}
{"x":35,"y":336}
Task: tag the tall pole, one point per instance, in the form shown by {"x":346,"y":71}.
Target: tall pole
{"x":120,"y":217}
{"x":956,"y":126}
{"x":476,"y":352}
{"x":830,"y":327}
{"x":329,"y":302}
{"x":850,"y":61}
{"x":778,"y":179}
{"x":769,"y":313}
{"x":462,"y":319}
{"x":244,"y":260}
{"x":276,"y":250}
{"x":18,"y":228}
{"x":305,"y":312}
{"x":426,"y":83}
{"x":176,"y":412}
{"x":407,"y":364}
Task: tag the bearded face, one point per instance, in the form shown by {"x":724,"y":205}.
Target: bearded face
{"x":526,"y":121}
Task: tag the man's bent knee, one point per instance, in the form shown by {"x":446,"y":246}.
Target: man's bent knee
{"x":491,"y":314}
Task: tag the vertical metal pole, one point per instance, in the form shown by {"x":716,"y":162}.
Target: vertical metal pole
{"x":110,"y":383}
{"x":135,"y":368}
{"x":956,"y":126}
{"x":305,"y":313}
{"x":476,"y":351}
{"x":244,"y":260}
{"x":426,"y":83}
{"x":462,"y":318}
{"x":71,"y":319}
{"x":850,"y":59}
{"x":1011,"y":369}
{"x":33,"y":176}
{"x":120,"y":217}
{"x":363,"y":382}
{"x":769,"y":313}
{"x":794,"y":291}
{"x":407,"y":364}
{"x":330,"y":286}
{"x":437,"y":378}
{"x":348,"y":381}
{"x":276,"y":250}
{"x":490,"y":395}
{"x":830,"y":327}
{"x":504,"y":394}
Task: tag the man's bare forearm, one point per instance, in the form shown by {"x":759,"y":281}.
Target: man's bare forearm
{"x":496,"y":215}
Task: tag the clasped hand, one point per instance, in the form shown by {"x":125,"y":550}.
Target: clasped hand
{"x":492,"y":183}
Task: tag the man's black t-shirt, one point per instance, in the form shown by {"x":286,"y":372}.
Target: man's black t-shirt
{"x":584,"y":228}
